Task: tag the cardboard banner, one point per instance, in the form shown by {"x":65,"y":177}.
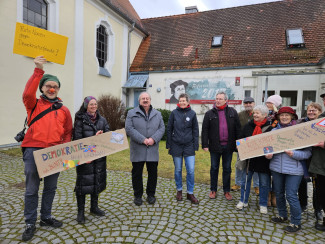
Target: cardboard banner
{"x":31,"y":41}
{"x":290,"y":138}
{"x":61,"y":157}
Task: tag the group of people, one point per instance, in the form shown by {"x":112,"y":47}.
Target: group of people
{"x":221,"y":127}
{"x":289,"y":170}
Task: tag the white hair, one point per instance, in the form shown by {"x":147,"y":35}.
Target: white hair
{"x":263,"y":109}
{"x":142,"y":94}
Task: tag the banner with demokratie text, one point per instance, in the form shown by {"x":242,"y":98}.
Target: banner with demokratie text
{"x":61,"y":157}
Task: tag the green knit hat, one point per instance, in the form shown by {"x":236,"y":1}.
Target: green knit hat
{"x":46,"y":78}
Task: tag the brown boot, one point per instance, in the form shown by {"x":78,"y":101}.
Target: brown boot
{"x":179,"y":196}
{"x":192,"y":198}
{"x":273,"y":199}
{"x":269,"y":200}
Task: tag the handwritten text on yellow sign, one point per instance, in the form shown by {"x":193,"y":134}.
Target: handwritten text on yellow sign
{"x":32,"y":42}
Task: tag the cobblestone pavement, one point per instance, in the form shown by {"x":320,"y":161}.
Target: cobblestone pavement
{"x":167,"y":221}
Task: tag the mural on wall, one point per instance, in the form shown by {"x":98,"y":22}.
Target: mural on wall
{"x":203,"y":91}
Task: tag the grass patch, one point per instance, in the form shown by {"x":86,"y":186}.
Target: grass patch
{"x":121,"y":162}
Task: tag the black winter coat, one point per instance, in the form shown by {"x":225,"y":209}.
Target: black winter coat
{"x":182,"y":132}
{"x":258,"y":164}
{"x":91,"y":177}
{"x":210,"y":130}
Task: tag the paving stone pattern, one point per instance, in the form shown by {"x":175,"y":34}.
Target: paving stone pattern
{"x":167,"y":221}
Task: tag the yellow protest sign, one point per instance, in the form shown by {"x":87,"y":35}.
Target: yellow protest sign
{"x":61,"y":157}
{"x":276,"y":141}
{"x":32,"y":42}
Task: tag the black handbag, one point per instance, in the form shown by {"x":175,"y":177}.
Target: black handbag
{"x":21,"y":135}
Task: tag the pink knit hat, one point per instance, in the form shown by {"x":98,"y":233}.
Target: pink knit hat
{"x":275,"y":99}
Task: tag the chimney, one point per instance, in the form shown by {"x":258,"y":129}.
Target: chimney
{"x":191,"y":9}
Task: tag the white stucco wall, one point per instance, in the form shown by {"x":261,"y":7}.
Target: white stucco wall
{"x":15,"y":69}
{"x":79,"y":75}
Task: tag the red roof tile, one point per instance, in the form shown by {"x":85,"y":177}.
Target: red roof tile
{"x":125,"y":7}
{"x":253,"y":35}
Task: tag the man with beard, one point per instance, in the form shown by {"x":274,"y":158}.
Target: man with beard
{"x":244,"y":117}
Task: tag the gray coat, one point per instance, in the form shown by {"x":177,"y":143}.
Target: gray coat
{"x":138,"y":127}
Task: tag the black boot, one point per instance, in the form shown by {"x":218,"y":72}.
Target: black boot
{"x":94,"y":206}
{"x":81,"y":199}
{"x":320,"y":227}
{"x":318,"y":215}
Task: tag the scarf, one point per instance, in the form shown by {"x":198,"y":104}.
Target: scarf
{"x":50,"y":100}
{"x":92,"y":117}
{"x":258,"y":129}
{"x":180,"y":106}
{"x":222,"y":107}
{"x":292,"y":122}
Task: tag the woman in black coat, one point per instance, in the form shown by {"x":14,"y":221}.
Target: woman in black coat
{"x":182,"y":142}
{"x":91,"y":176}
{"x":259,"y":125}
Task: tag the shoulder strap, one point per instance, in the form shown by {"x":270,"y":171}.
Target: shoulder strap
{"x":30,"y":114}
{"x":54,"y":107}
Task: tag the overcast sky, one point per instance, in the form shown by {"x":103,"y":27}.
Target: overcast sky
{"x":158,"y":8}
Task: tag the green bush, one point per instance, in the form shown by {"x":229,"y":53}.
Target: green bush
{"x":165,"y":113}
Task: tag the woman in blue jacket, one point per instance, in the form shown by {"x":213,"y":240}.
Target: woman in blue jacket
{"x":287,"y":172}
{"x":182,"y":142}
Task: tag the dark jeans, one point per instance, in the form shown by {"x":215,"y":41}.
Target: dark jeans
{"x":32,"y":187}
{"x":226,"y":166}
{"x":137,"y":180}
{"x":320,"y":190}
{"x":302,"y":193}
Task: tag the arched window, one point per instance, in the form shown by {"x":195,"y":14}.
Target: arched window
{"x":35,"y":13}
{"x":101,"y":46}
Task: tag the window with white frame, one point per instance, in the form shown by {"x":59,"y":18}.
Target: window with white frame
{"x":102,"y":45}
{"x":35,"y":13}
{"x":40,"y":13}
{"x":104,"y":49}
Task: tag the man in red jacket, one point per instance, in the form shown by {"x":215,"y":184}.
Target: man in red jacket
{"x":52,"y":129}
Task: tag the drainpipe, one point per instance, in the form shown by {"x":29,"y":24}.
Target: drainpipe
{"x":266,"y":88}
{"x":129,"y":47}
{"x":128,"y":64}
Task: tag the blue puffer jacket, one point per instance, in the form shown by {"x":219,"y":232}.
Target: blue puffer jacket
{"x":284,"y":164}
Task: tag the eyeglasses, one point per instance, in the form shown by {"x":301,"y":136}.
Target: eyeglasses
{"x":54,"y":87}
{"x":248,"y":102}
{"x":311,"y":110}
{"x":145,"y":98}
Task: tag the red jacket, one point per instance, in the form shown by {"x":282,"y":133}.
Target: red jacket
{"x":52,"y":129}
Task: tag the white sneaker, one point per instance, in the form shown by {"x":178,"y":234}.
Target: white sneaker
{"x":263,"y":210}
{"x":240,"y":205}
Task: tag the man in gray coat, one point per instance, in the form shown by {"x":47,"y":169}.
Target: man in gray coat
{"x":145,"y":126}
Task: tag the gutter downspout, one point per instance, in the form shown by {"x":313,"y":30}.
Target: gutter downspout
{"x":266,"y":88}
{"x":128,"y":63}
{"x":129,"y":47}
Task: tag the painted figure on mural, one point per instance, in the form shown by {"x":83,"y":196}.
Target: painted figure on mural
{"x":177,"y":88}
